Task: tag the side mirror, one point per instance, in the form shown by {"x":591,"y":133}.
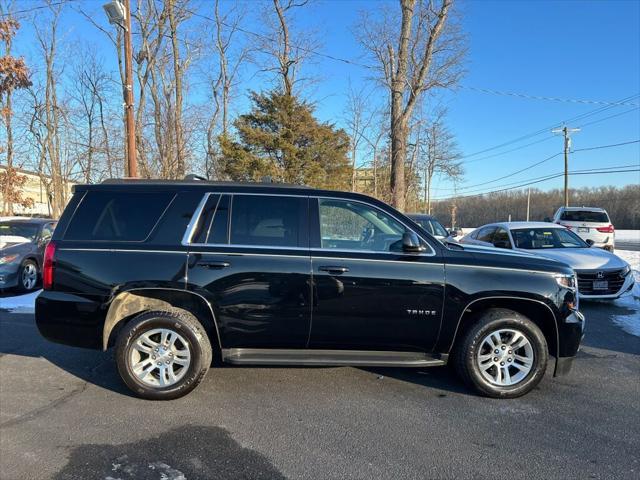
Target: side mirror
{"x":502,"y":244}
{"x":452,"y":233}
{"x":590,"y":242}
{"x":411,"y":243}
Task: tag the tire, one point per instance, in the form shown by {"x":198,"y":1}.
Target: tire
{"x":511,"y":372}
{"x":28,"y":276}
{"x":171,"y":372}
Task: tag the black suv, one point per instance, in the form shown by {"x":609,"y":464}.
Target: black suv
{"x":174,"y":274}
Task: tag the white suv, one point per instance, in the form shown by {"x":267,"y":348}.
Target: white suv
{"x":591,"y":224}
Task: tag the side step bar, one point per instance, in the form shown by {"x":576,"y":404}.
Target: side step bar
{"x":311,"y":357}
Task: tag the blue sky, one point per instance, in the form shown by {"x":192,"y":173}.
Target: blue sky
{"x":563,"y":49}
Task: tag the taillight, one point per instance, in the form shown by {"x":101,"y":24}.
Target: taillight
{"x":47,"y":268}
{"x":607,"y":229}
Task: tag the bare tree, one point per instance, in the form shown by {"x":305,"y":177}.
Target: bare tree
{"x":421,"y":52}
{"x":230,"y":56}
{"x":439,"y":155}
{"x":286,"y":49}
{"x":358,"y":118}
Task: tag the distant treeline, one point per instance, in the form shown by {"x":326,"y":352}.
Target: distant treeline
{"x":623,"y":205}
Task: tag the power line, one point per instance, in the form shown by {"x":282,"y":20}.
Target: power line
{"x":550,"y":177}
{"x":553,"y":99}
{"x":547,"y":128}
{"x":33,"y":9}
{"x":598,"y":147}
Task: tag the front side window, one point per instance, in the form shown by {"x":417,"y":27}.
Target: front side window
{"x":347,"y":225}
{"x":47,"y":232}
{"x":267,"y":220}
{"x":541,"y":238}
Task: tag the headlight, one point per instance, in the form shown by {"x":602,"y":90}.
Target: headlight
{"x":8,"y":259}
{"x":625,"y":271}
{"x":567,"y":281}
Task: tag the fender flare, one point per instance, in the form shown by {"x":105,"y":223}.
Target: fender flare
{"x":131,"y":301}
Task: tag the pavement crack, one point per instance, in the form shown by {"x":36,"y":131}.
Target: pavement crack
{"x":44,"y":409}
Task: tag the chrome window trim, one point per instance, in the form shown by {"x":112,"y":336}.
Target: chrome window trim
{"x":186,"y":239}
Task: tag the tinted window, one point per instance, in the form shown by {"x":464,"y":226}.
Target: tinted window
{"x":266,"y":220}
{"x":584,"y":216}
{"x":213,"y":224}
{"x":349,"y":225}
{"x":117,"y":216}
{"x":204,"y":222}
{"x":432,"y":226}
{"x":486,"y":234}
{"x":501,"y":237}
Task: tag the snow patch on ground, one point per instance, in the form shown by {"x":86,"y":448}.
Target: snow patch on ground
{"x":628,"y":235}
{"x":20,"y":303}
{"x":630,"y":323}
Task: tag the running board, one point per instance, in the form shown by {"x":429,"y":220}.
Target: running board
{"x":264,"y":356}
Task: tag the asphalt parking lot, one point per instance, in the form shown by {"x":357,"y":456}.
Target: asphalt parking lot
{"x":65,"y":414}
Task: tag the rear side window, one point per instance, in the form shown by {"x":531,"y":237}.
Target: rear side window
{"x":271,"y":221}
{"x":486,"y":234}
{"x":584,"y":216}
{"x":117,"y":216}
{"x":213,"y":227}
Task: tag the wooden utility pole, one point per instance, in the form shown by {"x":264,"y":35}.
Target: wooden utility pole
{"x":132,"y":166}
{"x":566,"y":132}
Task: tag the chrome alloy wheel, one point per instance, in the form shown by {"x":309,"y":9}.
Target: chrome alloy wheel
{"x":29,"y":276}
{"x":505,"y":357}
{"x":159,"y":357}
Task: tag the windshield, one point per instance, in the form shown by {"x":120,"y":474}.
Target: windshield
{"x":432,"y":226}
{"x":540,"y":238}
{"x":584,"y":216}
{"x":28,"y":231}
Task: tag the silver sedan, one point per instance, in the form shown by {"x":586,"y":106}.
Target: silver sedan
{"x":601,"y":274}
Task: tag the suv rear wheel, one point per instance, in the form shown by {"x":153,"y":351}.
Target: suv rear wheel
{"x":503,"y":355}
{"x":162,"y":355}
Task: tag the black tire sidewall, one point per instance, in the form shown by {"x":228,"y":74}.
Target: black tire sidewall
{"x":504,"y":320}
{"x":150,"y":321}
{"x":21,"y":286}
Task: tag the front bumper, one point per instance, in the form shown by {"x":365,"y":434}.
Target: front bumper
{"x":8,"y":277}
{"x":570,"y":334}
{"x":626,"y":287}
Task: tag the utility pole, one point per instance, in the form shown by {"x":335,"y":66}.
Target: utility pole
{"x":566,"y":132}
{"x":528,"y":202}
{"x":120,"y":14}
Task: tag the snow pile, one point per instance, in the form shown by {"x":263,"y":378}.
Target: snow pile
{"x":20,"y":303}
{"x":630,"y":323}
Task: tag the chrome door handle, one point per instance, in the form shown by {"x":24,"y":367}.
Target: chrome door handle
{"x":332,"y":269}
{"x":207,"y":264}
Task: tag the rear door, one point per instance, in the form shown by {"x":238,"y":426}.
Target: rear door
{"x":368,"y":295}
{"x":249,"y":256}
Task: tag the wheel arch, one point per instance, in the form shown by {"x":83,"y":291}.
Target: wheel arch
{"x":131,"y":302}
{"x":535,"y":310}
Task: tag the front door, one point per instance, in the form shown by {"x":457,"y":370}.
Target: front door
{"x":249,"y":257}
{"x":368,"y":295}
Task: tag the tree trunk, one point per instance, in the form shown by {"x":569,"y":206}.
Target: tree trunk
{"x":177,"y":71}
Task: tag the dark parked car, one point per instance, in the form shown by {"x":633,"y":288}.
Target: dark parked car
{"x":22,"y":243}
{"x":432,"y":226}
{"x":173,"y":273}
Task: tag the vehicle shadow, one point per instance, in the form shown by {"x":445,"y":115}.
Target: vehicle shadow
{"x":598,"y":331}
{"x":440,"y":379}
{"x":20,"y":336}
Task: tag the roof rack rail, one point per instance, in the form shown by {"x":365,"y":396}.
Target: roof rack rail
{"x":193,"y":176}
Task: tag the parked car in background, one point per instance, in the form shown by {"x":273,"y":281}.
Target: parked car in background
{"x":432,"y":226}
{"x":22,"y":244}
{"x":173,"y":272}
{"x":601,"y":274}
{"x":591,"y":224}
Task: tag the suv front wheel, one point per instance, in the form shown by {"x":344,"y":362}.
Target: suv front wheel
{"x":162,"y":355}
{"x":503,"y":355}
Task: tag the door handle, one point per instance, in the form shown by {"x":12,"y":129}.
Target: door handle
{"x":212,"y":264}
{"x":332,"y":269}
